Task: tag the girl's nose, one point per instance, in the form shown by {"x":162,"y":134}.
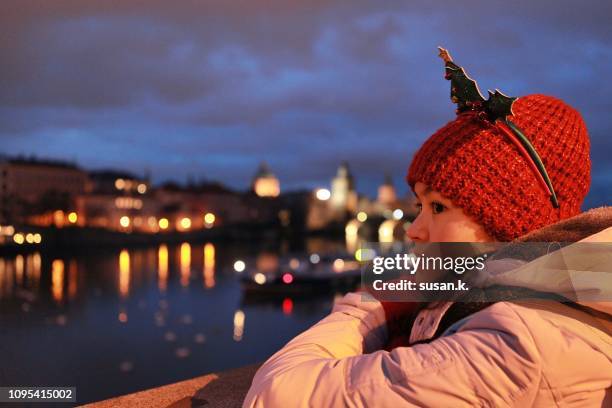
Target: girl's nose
{"x":417,"y":231}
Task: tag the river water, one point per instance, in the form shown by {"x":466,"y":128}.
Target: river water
{"x":111,"y":322}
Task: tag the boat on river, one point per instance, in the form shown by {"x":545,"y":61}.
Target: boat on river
{"x":301,"y":276}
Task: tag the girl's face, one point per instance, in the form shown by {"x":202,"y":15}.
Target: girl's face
{"x":440,"y":221}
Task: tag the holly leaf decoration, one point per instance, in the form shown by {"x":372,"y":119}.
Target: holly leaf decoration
{"x":498,"y":106}
{"x":466,"y":94}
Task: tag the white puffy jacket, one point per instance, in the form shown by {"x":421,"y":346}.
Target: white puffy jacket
{"x":516,"y":354}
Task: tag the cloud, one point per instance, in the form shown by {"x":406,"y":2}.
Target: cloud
{"x":211,"y":88}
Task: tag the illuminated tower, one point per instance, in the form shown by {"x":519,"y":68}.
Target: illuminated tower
{"x":343,"y":195}
{"x":265,"y":183}
{"x":386,"y":192}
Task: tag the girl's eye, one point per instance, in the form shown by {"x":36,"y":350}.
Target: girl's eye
{"x":437,"y":208}
{"x":419,"y":207}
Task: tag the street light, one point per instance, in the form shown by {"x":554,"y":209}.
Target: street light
{"x":323,"y":194}
{"x":239,"y":266}
{"x":124,"y":221}
{"x":209,"y":219}
{"x":18,"y":238}
{"x":259,"y":278}
{"x":163,"y":223}
{"x":185,"y":223}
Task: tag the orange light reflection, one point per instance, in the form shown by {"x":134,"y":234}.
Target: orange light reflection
{"x":162,"y":267}
{"x":124,"y":273}
{"x":57,"y":280}
{"x":72,"y":279}
{"x":185,"y":263}
{"x":209,"y":265}
{"x":19,"y":268}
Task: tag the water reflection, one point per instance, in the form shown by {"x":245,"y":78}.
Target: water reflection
{"x":22,"y":272}
{"x":238,"y":325}
{"x":35,"y":271}
{"x":124,"y":273}
{"x":162,"y":267}
{"x":57,"y":280}
{"x":72,"y":279}
{"x":287,"y":306}
{"x":9,"y":279}
{"x":29,"y":269}
{"x":182,"y":352}
{"x":209,"y":265}
{"x":185,"y":264}
{"x":62,"y":280}
{"x":138,"y":304}
{"x":122,"y":317}
{"x":2,"y":277}
{"x":19,"y":267}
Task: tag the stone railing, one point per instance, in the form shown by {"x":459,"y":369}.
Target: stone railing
{"x":223,"y":390}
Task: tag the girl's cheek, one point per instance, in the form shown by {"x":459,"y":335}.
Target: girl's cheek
{"x":443,"y":228}
{"x":436,"y":231}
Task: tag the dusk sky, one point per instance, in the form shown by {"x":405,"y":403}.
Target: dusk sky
{"x":209,"y":89}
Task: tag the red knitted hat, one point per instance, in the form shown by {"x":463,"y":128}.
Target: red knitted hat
{"x":473,"y":163}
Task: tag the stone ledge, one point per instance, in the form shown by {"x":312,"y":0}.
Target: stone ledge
{"x":219,"y":390}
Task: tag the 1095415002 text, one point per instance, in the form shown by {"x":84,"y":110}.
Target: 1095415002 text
{"x":37,"y":394}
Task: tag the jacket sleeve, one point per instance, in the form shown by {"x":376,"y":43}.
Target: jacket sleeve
{"x":492,"y":360}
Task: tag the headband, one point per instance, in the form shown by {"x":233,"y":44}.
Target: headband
{"x":495,"y":110}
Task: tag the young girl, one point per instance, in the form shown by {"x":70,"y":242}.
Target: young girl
{"x":476,"y":180}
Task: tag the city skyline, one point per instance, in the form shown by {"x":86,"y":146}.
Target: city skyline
{"x":211,"y":90}
{"x":190,"y":181}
